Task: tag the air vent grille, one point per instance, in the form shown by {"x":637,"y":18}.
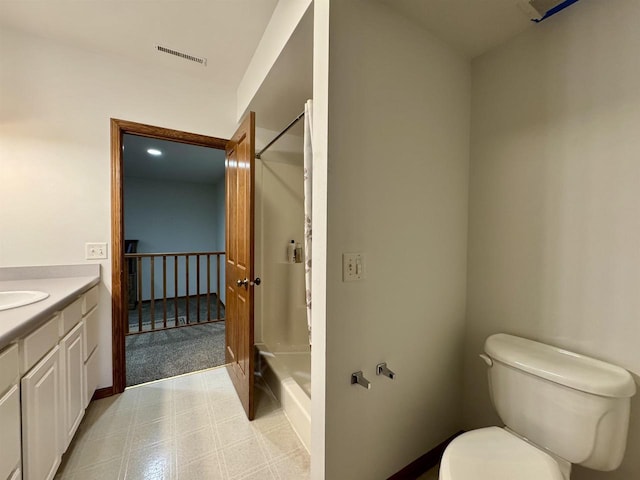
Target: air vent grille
{"x":186,"y":56}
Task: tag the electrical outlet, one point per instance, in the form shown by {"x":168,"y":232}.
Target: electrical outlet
{"x":95,"y":251}
{"x":352,"y":267}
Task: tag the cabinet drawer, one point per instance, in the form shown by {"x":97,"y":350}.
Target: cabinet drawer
{"x":10,"y":432}
{"x":9,"y":368}
{"x":90,"y":333}
{"x":70,"y":317}
{"x":90,"y":299}
{"x":36,"y":345}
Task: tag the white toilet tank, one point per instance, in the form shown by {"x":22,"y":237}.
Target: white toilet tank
{"x":574,"y":406}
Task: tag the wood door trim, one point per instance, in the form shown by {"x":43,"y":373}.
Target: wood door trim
{"x":118,"y":295}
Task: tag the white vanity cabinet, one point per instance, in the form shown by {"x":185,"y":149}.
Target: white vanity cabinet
{"x":10,"y":413}
{"x":46,"y":381}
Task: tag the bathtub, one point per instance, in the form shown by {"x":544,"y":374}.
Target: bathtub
{"x":288,"y":374}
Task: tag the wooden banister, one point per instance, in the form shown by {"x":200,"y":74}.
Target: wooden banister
{"x":146,"y":267}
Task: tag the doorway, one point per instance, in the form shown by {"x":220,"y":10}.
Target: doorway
{"x":157,"y":293}
{"x":174,"y":227}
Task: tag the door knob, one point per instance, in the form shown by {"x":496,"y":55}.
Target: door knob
{"x":256,"y":282}
{"x":242,"y":283}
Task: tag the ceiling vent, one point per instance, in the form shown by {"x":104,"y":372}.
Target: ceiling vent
{"x":201,"y":60}
{"x":539,"y":10}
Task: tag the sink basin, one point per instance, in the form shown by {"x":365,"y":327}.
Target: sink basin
{"x":20,"y":298}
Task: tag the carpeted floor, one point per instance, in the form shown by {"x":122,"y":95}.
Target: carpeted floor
{"x":158,"y":312}
{"x":167,"y":353}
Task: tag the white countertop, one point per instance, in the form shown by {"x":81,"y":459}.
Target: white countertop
{"x":63,"y":284}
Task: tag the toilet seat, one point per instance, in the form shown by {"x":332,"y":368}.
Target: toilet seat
{"x":495,"y":454}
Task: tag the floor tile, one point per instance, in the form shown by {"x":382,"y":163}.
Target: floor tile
{"x":191,"y":427}
{"x":293,"y":466}
{"x":192,"y":420}
{"x":195,"y":445}
{"x":100,"y":450}
{"x":153,"y":413}
{"x":153,"y":462}
{"x":264,"y":473}
{"x":279,"y":442}
{"x":272,"y":420}
{"x":151,"y":433}
{"x":234,"y":430}
{"x":224,"y":409}
{"x":243,"y":457}
{"x":207,"y":467}
{"x":111,"y":470}
{"x":189,"y":400}
{"x":107,"y":423}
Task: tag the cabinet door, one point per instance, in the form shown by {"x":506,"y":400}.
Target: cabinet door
{"x":40,"y":418}
{"x":90,"y":377}
{"x":10,"y":432}
{"x":91,"y":333}
{"x":72,"y":385}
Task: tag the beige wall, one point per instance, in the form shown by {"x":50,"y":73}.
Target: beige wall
{"x":56,"y":101}
{"x":554,"y":232}
{"x":397,"y":191}
{"x":280,"y":314}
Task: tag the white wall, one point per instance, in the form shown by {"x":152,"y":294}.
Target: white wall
{"x":55,"y":146}
{"x":554,"y":228}
{"x":280,"y":311}
{"x":397,"y":191}
{"x":320,"y":139}
{"x":170,"y":216}
{"x":281,"y":26}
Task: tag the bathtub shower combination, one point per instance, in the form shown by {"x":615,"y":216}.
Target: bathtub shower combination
{"x":288,"y":376}
{"x":281,"y":320}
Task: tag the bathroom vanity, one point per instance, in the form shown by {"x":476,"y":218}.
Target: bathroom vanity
{"x":48,"y":366}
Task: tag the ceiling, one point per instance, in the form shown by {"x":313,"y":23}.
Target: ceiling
{"x":226,"y":32}
{"x":178,"y":162}
{"x":207,"y":28}
{"x":472,"y":27}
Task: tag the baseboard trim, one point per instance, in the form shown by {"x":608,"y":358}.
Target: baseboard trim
{"x":424,"y":463}
{"x":102,"y":393}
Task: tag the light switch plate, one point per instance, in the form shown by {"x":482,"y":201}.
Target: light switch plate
{"x":95,"y":251}
{"x":352,"y":267}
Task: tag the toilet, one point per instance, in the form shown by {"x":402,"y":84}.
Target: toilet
{"x":559,"y":408}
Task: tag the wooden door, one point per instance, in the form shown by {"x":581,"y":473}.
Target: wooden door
{"x":240,"y":162}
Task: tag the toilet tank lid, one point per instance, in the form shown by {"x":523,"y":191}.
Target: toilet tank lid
{"x":561,"y":366}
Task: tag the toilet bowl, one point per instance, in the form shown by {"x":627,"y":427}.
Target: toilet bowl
{"x":559,"y":408}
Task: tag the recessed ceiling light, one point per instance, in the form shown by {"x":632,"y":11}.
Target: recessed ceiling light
{"x":154,"y":151}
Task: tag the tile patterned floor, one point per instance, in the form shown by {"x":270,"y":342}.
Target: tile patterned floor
{"x":189,"y":427}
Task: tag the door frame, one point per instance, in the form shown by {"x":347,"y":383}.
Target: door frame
{"x":118,"y":293}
